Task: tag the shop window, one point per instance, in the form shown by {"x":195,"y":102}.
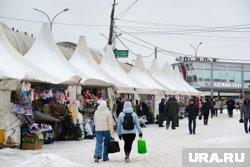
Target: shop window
{"x":246,"y":81}
{"x":187,"y":67}
{"x":231,"y":80}
{"x":195,"y":78}
{"x":189,"y":79}
{"x":200,"y":79}
{"x":207,"y":79}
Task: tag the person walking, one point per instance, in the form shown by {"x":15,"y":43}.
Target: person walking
{"x":104,"y":130}
{"x":170,"y":110}
{"x":216,"y":108}
{"x":161,"y":112}
{"x":230,"y":107}
{"x":212,"y":104}
{"x":205,"y":111}
{"x":220,"y":104}
{"x":237,"y":105}
{"x":192,"y":113}
{"x":246,"y":114}
{"x":126,"y":128}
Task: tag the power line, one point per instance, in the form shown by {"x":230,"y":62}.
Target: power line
{"x":126,"y":10}
{"x":124,"y":44}
{"x":171,"y":52}
{"x":69,"y":24}
{"x":183,"y":26}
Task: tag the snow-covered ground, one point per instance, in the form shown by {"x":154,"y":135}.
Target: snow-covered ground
{"x":164,"y":147}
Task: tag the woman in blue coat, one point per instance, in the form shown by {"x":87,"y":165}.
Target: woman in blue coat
{"x":126,"y":127}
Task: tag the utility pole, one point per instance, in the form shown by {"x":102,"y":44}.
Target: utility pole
{"x":111,"y":29}
{"x":155,"y":52}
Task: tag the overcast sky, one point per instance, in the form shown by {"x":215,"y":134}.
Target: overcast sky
{"x":179,"y":24}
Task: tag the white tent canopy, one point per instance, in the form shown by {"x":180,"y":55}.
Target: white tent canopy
{"x":45,"y":54}
{"x":190,"y":89}
{"x":157,"y":74}
{"x":140,"y":76}
{"x":120,"y":78}
{"x":14,"y":66}
{"x":83,"y":61}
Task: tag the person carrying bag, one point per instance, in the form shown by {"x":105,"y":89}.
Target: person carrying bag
{"x":126,"y":128}
{"x":104,"y":131}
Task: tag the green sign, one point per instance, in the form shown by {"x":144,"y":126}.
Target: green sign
{"x":120,"y":53}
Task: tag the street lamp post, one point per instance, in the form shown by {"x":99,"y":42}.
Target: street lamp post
{"x":196,"y":49}
{"x":51,"y":21}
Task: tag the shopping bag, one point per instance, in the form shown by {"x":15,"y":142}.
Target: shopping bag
{"x":142,"y":148}
{"x":113,"y":146}
{"x":200,"y":117}
{"x":241,"y":120}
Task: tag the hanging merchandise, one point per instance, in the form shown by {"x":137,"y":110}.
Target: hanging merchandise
{"x":72,"y":112}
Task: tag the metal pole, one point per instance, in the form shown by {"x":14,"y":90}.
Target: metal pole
{"x":65,"y":10}
{"x":196,"y":49}
{"x":45,"y":15}
{"x":242,"y":81}
{"x":155,"y":52}
{"x":111,"y":29}
{"x":50,"y":22}
{"x":212,"y":79}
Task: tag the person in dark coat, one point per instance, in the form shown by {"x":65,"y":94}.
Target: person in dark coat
{"x":192,"y":113}
{"x":205,"y":111}
{"x":212,"y":104}
{"x":170,"y":110}
{"x":245,"y":113}
{"x":230,"y":107}
{"x":161,"y":112}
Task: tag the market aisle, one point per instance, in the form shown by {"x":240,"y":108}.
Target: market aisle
{"x":164,"y":146}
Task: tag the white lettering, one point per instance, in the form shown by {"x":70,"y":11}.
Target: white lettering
{"x":214,"y":158}
{"x":203,"y":157}
{"x":228,"y":157}
{"x":195,"y":159}
{"x":242,"y":157}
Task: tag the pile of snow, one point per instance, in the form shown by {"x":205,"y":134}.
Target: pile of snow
{"x":48,"y":160}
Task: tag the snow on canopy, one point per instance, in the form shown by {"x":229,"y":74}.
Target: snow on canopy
{"x":166,"y":77}
{"x":178,"y":79}
{"x":157,"y":74}
{"x":191,"y":90}
{"x":45,"y":54}
{"x":14,"y":66}
{"x":83,"y":61}
{"x":142,"y":78}
{"x":121,"y":79}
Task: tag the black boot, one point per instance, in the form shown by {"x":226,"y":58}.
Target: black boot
{"x":190,"y":132}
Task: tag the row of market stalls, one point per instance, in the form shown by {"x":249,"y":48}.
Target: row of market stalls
{"x":43,"y":88}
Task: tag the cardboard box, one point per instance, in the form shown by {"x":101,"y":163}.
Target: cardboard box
{"x":29,"y":146}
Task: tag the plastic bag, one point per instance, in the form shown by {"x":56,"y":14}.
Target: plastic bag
{"x":142,"y":148}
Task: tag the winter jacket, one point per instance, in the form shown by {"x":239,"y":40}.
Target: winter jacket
{"x":230,"y":104}
{"x":246,"y":110}
{"x":205,"y":108}
{"x":192,"y":111}
{"x":161,"y":107}
{"x":103,"y":118}
{"x":171,"y":108}
{"x":120,"y":129}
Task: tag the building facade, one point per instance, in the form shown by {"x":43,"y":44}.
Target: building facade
{"x":216,"y":78}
